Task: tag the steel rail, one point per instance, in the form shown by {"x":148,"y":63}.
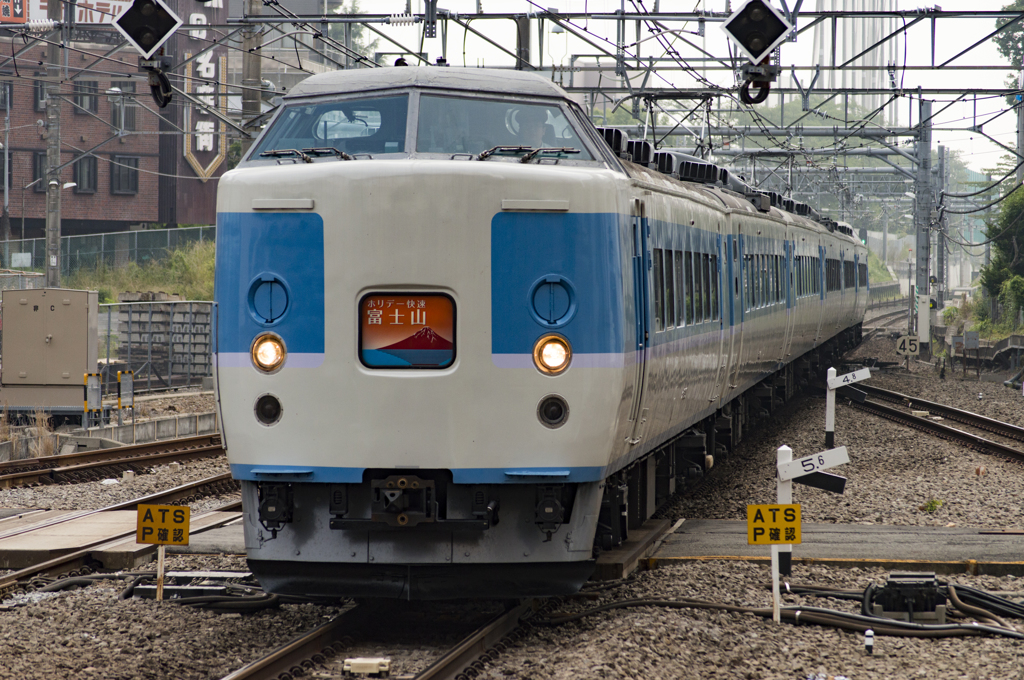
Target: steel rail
{"x":298,"y":656}
{"x":83,"y":556}
{"x":966,"y":417}
{"x":944,"y":431}
{"x":314,"y":647}
{"x":86,"y":464}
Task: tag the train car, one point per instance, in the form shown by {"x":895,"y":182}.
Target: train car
{"x":465,"y":343}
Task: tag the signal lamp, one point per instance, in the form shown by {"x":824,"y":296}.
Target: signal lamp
{"x":268,"y":352}
{"x":757,"y":28}
{"x":552,"y":354}
{"x":147,"y":24}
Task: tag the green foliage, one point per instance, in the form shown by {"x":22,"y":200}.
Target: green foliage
{"x":1010,"y":43}
{"x":931,"y":505}
{"x":877,"y":271}
{"x":188,"y":271}
{"x":1007,"y":232}
{"x":1011,"y":296}
{"x":950,"y":315}
{"x":337,"y":31}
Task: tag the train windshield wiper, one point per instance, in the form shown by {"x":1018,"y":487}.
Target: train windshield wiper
{"x":327,"y":151}
{"x":548,"y":150}
{"x":504,"y":150}
{"x":281,"y":153}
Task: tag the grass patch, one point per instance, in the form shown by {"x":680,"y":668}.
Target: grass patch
{"x":877,"y":271}
{"x":187,"y":271}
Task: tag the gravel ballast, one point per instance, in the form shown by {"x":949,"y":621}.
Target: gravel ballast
{"x":893,"y":475}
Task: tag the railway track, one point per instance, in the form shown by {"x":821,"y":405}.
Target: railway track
{"x":319,"y":645}
{"x":939,"y":429}
{"x":81,"y":560}
{"x":966,"y":417}
{"x":90,"y":465}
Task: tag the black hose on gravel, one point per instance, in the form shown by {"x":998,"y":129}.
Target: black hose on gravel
{"x":799,"y":615}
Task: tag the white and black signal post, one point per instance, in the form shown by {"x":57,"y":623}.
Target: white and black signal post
{"x":808,"y":471}
{"x":834,"y":383}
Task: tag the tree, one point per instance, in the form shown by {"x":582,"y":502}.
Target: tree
{"x":1007,"y":234}
{"x":337,"y":31}
{"x":1010,"y":44}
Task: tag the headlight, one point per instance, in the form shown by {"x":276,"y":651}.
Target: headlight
{"x":552,"y":354}
{"x":268,"y":352}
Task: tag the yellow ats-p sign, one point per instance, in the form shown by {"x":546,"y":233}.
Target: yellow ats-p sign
{"x":163,"y":524}
{"x":773,"y":524}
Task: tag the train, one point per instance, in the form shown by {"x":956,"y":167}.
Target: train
{"x":467,"y":342}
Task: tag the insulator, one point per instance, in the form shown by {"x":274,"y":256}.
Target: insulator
{"x":41,"y":25}
{"x":401,"y":20}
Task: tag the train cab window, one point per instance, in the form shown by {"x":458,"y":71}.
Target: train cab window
{"x":450,"y":125}
{"x":353,"y":126}
{"x":681,"y":291}
{"x":659,"y":294}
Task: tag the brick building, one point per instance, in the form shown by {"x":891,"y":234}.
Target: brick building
{"x":162,"y":167}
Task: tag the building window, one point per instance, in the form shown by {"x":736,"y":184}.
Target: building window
{"x":125,"y":107}
{"x":86,"y":96}
{"x":6,"y":95}
{"x":39,"y":172}
{"x":40,"y":92}
{"x":85,"y":175}
{"x":124,"y":175}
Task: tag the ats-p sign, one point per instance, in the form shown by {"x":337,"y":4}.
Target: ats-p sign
{"x":162,"y":524}
{"x":773,"y":524}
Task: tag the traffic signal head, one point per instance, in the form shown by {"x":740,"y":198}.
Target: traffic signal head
{"x":758,"y":28}
{"x":147,"y":24}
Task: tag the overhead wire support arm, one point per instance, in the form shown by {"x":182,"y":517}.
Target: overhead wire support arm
{"x":805,"y":97}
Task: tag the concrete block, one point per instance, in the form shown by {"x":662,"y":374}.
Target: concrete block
{"x":166,"y":428}
{"x":206,"y":423}
{"x":145,"y":432}
{"x":186,"y":426}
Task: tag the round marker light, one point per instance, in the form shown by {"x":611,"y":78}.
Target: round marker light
{"x":552,"y":354}
{"x":268,"y":352}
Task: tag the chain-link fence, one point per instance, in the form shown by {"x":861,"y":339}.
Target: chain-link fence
{"x":113,"y":250}
{"x":168,"y":344}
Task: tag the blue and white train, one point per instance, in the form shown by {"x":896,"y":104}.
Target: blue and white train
{"x":466,"y":341}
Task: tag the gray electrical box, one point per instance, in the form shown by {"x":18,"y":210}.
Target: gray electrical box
{"x":49,"y":344}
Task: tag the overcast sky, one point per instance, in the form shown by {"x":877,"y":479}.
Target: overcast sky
{"x":952,"y":36}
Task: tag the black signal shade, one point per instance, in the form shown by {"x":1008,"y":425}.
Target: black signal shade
{"x":757,"y":28}
{"x":147,"y":24}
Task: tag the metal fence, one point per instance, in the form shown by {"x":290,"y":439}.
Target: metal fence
{"x":15,"y":280}
{"x":113,"y":250}
{"x":167,"y":344}
{"x":885,"y":294}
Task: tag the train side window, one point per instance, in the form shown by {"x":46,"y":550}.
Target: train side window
{"x":670,"y":291}
{"x":778,"y":281}
{"x":707,"y":285}
{"x":748,"y":294}
{"x":659,"y":292}
{"x":690,"y":290}
{"x":715,"y":311}
{"x":698,"y":290}
{"x":678,"y":272}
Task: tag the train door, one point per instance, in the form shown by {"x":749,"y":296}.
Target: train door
{"x":721,"y":307}
{"x":641,"y":303}
{"x":737,"y":275}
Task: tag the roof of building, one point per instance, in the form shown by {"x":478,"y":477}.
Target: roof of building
{"x":448,"y":78}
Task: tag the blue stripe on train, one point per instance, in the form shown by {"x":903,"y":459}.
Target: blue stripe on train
{"x":285,"y":246}
{"x":584,"y":249}
{"x":354,"y":475}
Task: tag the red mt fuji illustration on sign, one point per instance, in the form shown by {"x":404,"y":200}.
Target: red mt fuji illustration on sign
{"x":425,"y":338}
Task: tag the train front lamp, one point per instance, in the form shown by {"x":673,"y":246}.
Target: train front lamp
{"x":552,"y":354}
{"x":268,"y":352}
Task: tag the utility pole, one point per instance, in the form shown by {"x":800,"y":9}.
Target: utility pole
{"x":1020,"y":125}
{"x":5,"y":218}
{"x":52,"y":178}
{"x":252,"y":75}
{"x":922,"y":214}
{"x":940,"y":232}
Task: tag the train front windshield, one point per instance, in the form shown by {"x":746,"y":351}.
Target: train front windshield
{"x":353,"y":126}
{"x":452,"y":125}
{"x":446,"y":125}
